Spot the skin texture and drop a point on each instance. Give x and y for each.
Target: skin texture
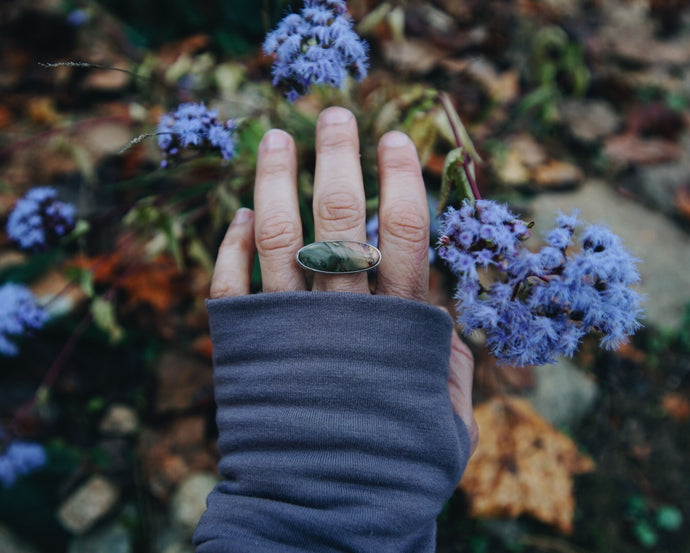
(274, 229)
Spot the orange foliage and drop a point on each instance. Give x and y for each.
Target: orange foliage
(522, 465)
(155, 282)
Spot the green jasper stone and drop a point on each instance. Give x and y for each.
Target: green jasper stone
(338, 256)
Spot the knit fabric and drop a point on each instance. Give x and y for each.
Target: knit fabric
(335, 425)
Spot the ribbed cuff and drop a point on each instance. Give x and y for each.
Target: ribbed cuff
(336, 428)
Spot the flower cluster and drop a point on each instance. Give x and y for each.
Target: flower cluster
(194, 126)
(18, 314)
(19, 459)
(534, 306)
(39, 219)
(317, 46)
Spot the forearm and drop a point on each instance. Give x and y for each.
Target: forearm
(336, 429)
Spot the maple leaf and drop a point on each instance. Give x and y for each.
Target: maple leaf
(522, 465)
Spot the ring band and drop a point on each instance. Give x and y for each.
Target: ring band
(338, 257)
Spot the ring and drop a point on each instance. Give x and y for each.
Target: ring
(338, 257)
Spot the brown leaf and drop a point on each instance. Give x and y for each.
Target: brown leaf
(183, 382)
(156, 282)
(677, 406)
(522, 465)
(416, 56)
(557, 175)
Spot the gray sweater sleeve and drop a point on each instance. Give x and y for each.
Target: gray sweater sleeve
(335, 426)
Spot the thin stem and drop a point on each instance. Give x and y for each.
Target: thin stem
(466, 159)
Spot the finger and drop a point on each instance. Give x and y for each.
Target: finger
(278, 226)
(232, 273)
(339, 210)
(403, 221)
(460, 385)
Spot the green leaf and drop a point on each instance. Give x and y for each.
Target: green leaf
(103, 312)
(645, 534)
(454, 176)
(81, 277)
(669, 518)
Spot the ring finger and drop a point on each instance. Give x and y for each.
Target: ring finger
(339, 208)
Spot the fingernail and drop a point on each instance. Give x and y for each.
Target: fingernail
(242, 215)
(335, 116)
(275, 139)
(395, 139)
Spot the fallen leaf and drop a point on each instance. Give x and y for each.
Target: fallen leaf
(416, 56)
(682, 198)
(156, 282)
(522, 465)
(557, 175)
(676, 405)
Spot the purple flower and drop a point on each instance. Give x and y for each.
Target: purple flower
(19, 314)
(39, 220)
(536, 306)
(317, 46)
(19, 459)
(193, 126)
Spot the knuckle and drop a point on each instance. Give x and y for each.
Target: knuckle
(277, 233)
(341, 207)
(337, 142)
(401, 167)
(277, 166)
(221, 290)
(407, 223)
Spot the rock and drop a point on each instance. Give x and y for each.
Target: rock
(661, 246)
(112, 538)
(169, 455)
(9, 543)
(563, 393)
(189, 500)
(625, 149)
(589, 121)
(119, 420)
(88, 504)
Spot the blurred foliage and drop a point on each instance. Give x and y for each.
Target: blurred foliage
(235, 25)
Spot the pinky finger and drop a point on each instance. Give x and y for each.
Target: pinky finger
(232, 273)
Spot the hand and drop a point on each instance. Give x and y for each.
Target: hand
(275, 229)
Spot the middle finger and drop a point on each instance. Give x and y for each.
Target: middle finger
(339, 208)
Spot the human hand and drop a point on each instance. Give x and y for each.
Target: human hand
(275, 229)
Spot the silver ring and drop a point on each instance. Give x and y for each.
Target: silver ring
(338, 257)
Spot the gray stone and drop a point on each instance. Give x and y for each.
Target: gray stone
(338, 256)
(88, 504)
(112, 538)
(563, 393)
(189, 500)
(589, 121)
(119, 420)
(662, 247)
(9, 543)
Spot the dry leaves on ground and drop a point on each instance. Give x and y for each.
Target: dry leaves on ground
(522, 465)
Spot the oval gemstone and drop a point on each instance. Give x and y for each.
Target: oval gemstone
(338, 256)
